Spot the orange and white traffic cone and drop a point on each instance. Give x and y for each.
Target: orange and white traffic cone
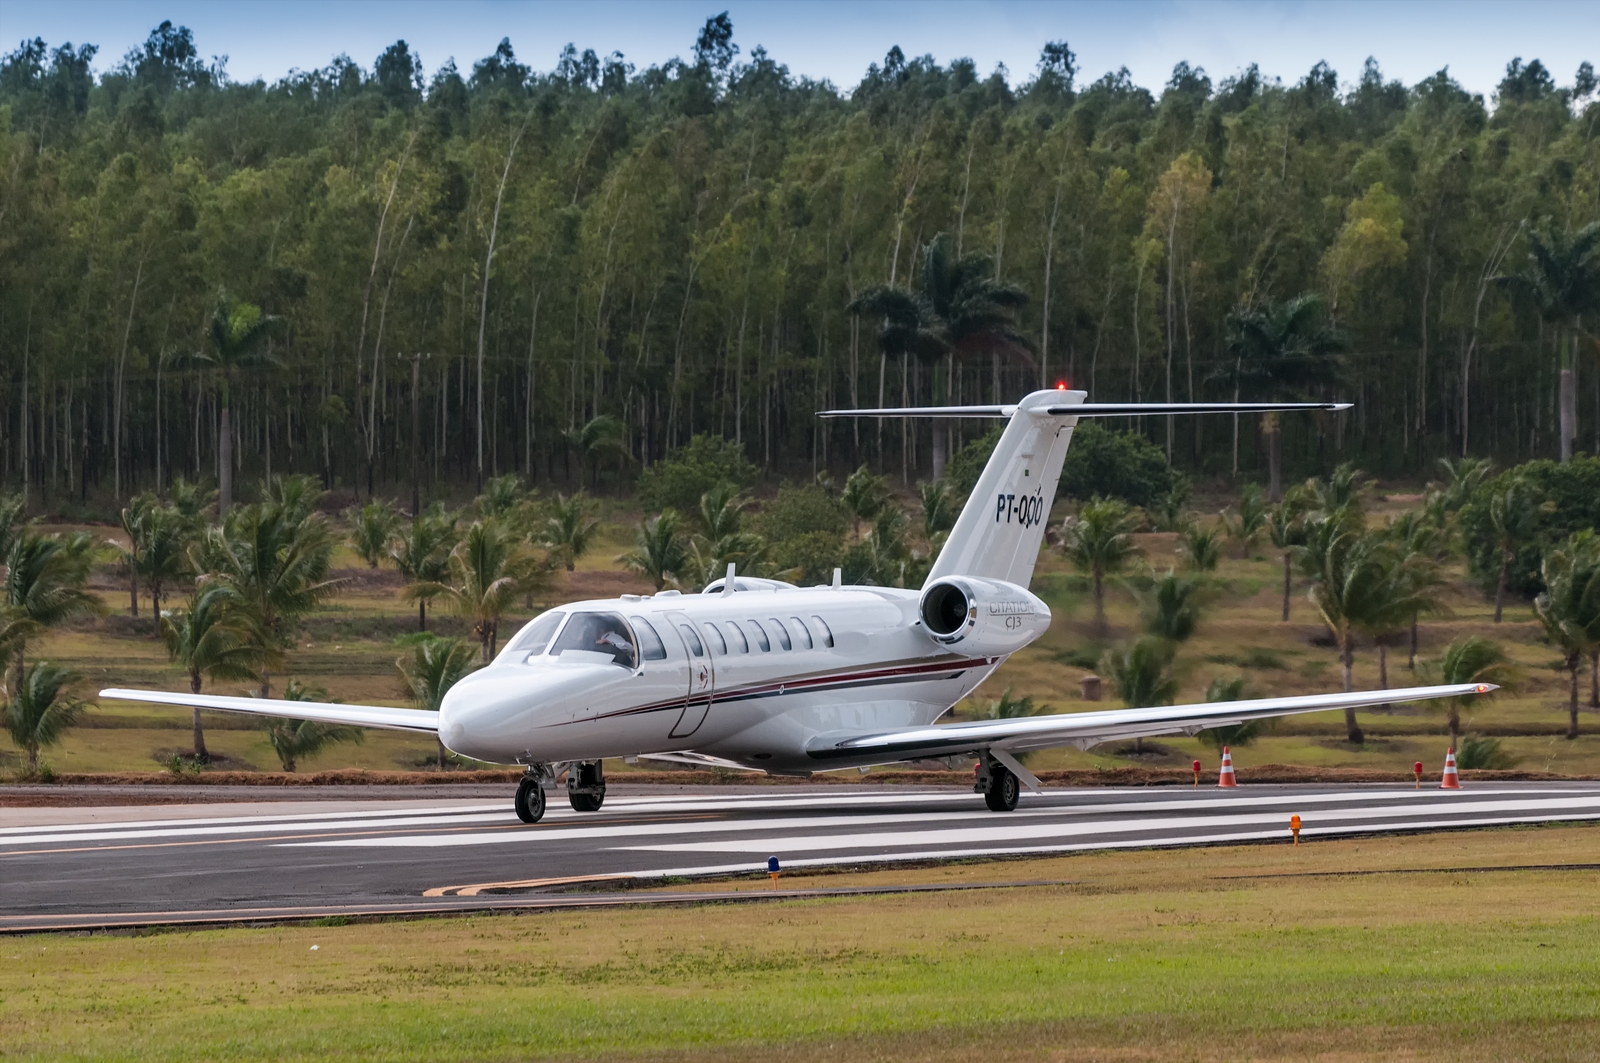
(1451, 780)
(1225, 776)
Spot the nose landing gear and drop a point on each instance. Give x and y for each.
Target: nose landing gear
(586, 786)
(998, 785)
(529, 802)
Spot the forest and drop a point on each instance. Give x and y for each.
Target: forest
(408, 283)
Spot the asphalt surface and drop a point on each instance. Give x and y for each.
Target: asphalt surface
(86, 867)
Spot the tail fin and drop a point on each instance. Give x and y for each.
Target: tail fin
(999, 531)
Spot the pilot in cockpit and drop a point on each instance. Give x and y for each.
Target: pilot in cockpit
(600, 633)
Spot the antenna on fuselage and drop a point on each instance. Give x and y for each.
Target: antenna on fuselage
(838, 578)
(727, 583)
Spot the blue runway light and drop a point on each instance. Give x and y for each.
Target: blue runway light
(772, 865)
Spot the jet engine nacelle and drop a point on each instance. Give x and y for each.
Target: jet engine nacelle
(982, 617)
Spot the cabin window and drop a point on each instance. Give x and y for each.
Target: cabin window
(649, 640)
(714, 639)
(599, 633)
(736, 640)
(782, 632)
(693, 640)
(760, 635)
(800, 630)
(827, 632)
(535, 636)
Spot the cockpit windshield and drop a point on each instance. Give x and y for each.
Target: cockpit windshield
(605, 633)
(534, 637)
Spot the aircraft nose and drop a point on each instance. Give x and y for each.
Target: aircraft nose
(495, 714)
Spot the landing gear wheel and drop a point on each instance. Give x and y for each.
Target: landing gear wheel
(586, 788)
(1003, 789)
(530, 800)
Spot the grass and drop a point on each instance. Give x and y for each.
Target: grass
(1144, 955)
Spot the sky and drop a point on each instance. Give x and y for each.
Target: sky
(837, 40)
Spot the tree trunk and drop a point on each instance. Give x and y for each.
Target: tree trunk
(1347, 661)
(1455, 725)
(1569, 397)
(1594, 680)
(1572, 696)
(442, 753)
(1500, 587)
(1286, 584)
(200, 754)
(133, 590)
(1412, 663)
(224, 459)
(1272, 428)
(1383, 673)
(422, 614)
(33, 758)
(1099, 600)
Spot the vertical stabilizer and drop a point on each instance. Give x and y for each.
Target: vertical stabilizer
(999, 531)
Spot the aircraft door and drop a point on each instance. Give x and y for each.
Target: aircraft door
(702, 676)
(664, 677)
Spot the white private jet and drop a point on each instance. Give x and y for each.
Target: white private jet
(763, 675)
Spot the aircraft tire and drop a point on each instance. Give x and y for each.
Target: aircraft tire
(530, 800)
(1003, 789)
(587, 802)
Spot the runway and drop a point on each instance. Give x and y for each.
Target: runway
(64, 868)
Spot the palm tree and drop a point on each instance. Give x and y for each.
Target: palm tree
(570, 528)
(295, 740)
(215, 637)
(37, 713)
(1008, 707)
(1416, 536)
(1141, 675)
(1172, 608)
(1569, 608)
(13, 517)
(1100, 540)
(1515, 510)
(489, 567)
(1281, 351)
(864, 495)
(1286, 528)
(1201, 546)
(1362, 586)
(431, 668)
(724, 540)
(1470, 659)
(422, 553)
(1562, 279)
(605, 436)
(1246, 525)
(277, 554)
(159, 538)
(46, 584)
(660, 553)
(238, 336)
(1239, 734)
(939, 512)
(501, 498)
(371, 526)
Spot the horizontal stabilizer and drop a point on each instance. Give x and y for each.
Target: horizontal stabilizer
(1095, 409)
(1084, 729)
(349, 715)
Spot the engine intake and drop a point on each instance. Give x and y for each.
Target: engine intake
(985, 617)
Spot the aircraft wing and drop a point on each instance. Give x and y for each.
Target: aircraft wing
(1085, 729)
(350, 715)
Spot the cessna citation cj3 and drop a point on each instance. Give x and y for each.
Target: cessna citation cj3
(763, 675)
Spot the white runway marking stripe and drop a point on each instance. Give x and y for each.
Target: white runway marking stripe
(986, 826)
(1028, 831)
(8, 832)
(185, 831)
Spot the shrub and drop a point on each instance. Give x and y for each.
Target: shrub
(1125, 465)
(965, 466)
(1477, 752)
(800, 511)
(690, 471)
(1575, 490)
(810, 557)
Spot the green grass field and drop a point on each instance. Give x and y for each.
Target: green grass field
(349, 649)
(1174, 955)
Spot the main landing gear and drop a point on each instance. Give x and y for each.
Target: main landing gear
(586, 786)
(586, 789)
(998, 785)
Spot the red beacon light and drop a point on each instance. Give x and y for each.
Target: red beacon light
(1061, 385)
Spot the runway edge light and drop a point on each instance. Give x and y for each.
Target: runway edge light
(772, 869)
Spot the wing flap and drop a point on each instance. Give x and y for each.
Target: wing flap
(1085, 729)
(392, 719)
